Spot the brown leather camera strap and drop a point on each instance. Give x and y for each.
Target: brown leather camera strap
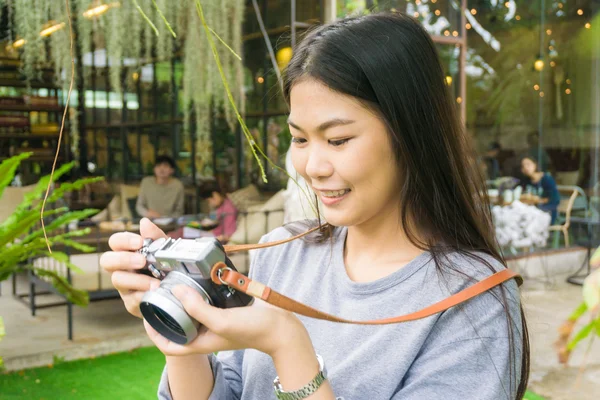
(234, 248)
(223, 275)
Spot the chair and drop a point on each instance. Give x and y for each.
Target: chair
(565, 206)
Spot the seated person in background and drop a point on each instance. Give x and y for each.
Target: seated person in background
(543, 185)
(491, 161)
(224, 212)
(161, 195)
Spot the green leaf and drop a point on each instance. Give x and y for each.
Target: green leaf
(598, 326)
(61, 221)
(75, 296)
(84, 248)
(14, 228)
(2, 330)
(8, 168)
(591, 290)
(579, 311)
(64, 258)
(582, 334)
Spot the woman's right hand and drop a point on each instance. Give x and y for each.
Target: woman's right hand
(123, 262)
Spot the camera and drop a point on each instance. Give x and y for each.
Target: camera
(188, 262)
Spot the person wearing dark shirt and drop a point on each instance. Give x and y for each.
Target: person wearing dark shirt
(543, 185)
(491, 161)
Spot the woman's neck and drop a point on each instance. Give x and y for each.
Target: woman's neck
(377, 248)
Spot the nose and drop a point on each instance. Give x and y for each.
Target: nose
(318, 166)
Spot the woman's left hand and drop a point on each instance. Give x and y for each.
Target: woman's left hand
(260, 326)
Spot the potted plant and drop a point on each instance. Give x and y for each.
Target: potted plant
(21, 239)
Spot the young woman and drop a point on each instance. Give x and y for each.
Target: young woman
(377, 136)
(543, 184)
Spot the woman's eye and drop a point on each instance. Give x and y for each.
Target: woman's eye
(298, 140)
(338, 142)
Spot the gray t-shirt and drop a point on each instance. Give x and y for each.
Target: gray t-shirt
(462, 353)
(167, 199)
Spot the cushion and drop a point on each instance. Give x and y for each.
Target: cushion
(127, 192)
(11, 198)
(251, 227)
(245, 197)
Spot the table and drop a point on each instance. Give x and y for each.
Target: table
(590, 222)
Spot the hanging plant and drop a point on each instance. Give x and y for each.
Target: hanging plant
(152, 24)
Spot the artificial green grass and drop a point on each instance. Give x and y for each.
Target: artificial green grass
(130, 376)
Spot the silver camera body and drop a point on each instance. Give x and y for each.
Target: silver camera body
(184, 262)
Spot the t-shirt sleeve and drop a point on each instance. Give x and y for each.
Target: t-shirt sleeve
(227, 374)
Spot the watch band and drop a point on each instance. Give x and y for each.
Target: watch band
(308, 389)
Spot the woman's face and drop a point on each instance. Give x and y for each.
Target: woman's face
(528, 167)
(344, 152)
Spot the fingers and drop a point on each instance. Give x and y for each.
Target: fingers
(149, 230)
(122, 260)
(127, 281)
(206, 342)
(125, 241)
(211, 317)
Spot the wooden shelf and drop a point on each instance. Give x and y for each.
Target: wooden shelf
(29, 136)
(35, 158)
(28, 107)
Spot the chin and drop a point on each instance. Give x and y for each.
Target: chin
(338, 218)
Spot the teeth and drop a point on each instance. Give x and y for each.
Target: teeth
(335, 193)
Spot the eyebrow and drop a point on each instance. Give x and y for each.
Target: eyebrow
(325, 125)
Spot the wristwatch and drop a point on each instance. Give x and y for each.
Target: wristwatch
(305, 391)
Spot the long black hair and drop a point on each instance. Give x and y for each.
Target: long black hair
(389, 62)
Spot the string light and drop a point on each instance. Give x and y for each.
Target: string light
(459, 100)
(434, 1)
(560, 5)
(536, 87)
(19, 43)
(455, 33)
(417, 2)
(260, 79)
(50, 27)
(550, 48)
(518, 17)
(588, 25)
(437, 12)
(568, 81)
(552, 63)
(473, 11)
(580, 12)
(568, 91)
(416, 14)
(541, 94)
(538, 65)
(468, 26)
(507, 4)
(446, 33)
(448, 80)
(548, 32)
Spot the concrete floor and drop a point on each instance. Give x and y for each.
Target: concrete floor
(105, 327)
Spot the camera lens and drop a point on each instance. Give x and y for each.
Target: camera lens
(165, 313)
